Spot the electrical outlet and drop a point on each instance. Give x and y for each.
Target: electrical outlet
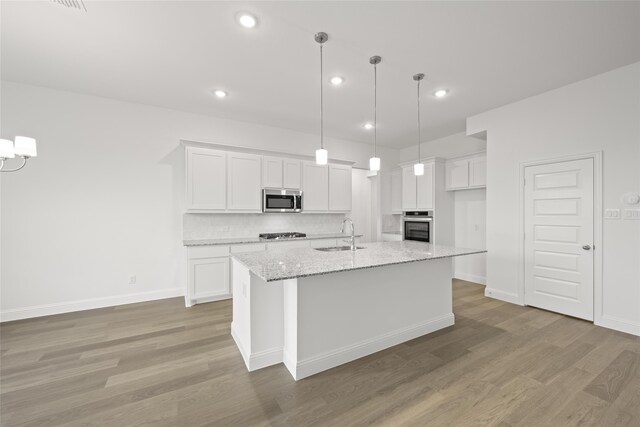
(612, 214)
(132, 279)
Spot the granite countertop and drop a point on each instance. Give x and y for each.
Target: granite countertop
(303, 262)
(256, 239)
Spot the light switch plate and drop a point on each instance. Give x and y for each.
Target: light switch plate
(632, 214)
(612, 214)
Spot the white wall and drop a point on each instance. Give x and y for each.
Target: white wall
(599, 113)
(454, 145)
(103, 199)
(470, 232)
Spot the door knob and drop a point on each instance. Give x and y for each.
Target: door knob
(586, 247)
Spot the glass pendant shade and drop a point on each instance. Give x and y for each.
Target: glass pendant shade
(25, 146)
(374, 164)
(418, 169)
(322, 156)
(6, 149)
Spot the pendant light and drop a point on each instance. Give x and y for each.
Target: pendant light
(321, 154)
(418, 168)
(374, 162)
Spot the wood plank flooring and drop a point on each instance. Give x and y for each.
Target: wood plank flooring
(159, 363)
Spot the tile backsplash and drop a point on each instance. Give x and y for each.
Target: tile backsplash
(215, 226)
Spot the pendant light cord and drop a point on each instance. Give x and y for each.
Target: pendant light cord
(321, 104)
(375, 110)
(419, 157)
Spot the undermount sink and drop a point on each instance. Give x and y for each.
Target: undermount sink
(337, 248)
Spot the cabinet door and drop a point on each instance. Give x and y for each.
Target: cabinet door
(396, 192)
(409, 201)
(271, 172)
(291, 174)
(425, 188)
(206, 179)
(339, 188)
(457, 174)
(315, 187)
(244, 182)
(478, 172)
(209, 278)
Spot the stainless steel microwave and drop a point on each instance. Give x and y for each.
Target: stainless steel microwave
(281, 200)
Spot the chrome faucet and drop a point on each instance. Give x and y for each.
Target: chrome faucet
(353, 233)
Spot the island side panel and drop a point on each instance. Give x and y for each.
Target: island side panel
(344, 316)
(257, 325)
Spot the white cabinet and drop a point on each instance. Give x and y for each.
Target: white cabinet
(466, 172)
(291, 171)
(457, 174)
(278, 172)
(272, 172)
(478, 172)
(208, 274)
(396, 192)
(244, 179)
(417, 191)
(424, 190)
(206, 179)
(409, 184)
(315, 187)
(340, 188)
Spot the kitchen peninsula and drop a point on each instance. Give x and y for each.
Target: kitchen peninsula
(314, 310)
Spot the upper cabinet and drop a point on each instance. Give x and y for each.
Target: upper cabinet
(315, 187)
(206, 179)
(417, 191)
(396, 192)
(231, 181)
(339, 188)
(466, 172)
(292, 174)
(278, 172)
(244, 182)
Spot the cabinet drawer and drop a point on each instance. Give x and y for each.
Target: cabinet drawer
(250, 247)
(195, 252)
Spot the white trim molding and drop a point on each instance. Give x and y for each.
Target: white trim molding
(87, 304)
(474, 278)
(622, 325)
(503, 296)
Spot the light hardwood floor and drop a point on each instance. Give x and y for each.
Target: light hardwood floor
(159, 363)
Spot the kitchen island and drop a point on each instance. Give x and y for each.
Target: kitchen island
(314, 310)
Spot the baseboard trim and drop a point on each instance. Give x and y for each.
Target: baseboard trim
(257, 360)
(471, 278)
(313, 365)
(503, 296)
(618, 324)
(87, 304)
(242, 350)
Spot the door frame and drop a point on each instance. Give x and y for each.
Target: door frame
(597, 225)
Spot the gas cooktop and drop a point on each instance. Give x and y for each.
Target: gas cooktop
(281, 236)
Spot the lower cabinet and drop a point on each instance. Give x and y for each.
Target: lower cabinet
(208, 274)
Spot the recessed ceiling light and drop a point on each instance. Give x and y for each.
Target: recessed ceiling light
(220, 93)
(247, 20)
(441, 93)
(368, 126)
(336, 80)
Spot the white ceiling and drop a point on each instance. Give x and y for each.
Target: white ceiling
(171, 54)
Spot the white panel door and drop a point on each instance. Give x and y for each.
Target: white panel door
(315, 187)
(478, 172)
(244, 182)
(340, 188)
(206, 179)
(457, 174)
(292, 172)
(271, 172)
(425, 188)
(558, 219)
(409, 197)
